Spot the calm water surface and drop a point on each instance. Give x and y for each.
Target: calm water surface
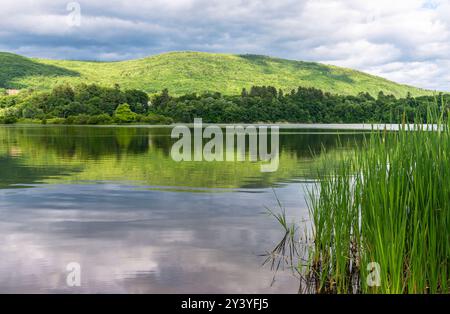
(113, 200)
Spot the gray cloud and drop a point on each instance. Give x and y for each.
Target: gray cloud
(404, 40)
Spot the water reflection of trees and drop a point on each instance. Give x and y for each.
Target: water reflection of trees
(98, 142)
(81, 142)
(306, 145)
(36, 153)
(14, 174)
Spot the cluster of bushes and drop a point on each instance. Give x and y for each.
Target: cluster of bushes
(105, 119)
(123, 116)
(8, 115)
(92, 104)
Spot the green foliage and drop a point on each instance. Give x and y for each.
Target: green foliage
(77, 120)
(8, 119)
(55, 121)
(66, 101)
(302, 105)
(188, 72)
(260, 104)
(138, 101)
(32, 112)
(100, 119)
(123, 114)
(155, 119)
(8, 115)
(82, 119)
(161, 101)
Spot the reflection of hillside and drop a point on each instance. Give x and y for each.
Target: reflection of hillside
(14, 174)
(67, 154)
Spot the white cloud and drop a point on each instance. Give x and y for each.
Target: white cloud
(368, 35)
(358, 53)
(416, 73)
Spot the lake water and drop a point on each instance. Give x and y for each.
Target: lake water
(112, 200)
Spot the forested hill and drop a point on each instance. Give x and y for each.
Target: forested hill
(188, 72)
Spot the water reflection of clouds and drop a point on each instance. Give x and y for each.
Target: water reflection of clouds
(138, 241)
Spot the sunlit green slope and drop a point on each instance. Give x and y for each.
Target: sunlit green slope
(187, 72)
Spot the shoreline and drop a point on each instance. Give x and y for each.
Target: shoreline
(317, 126)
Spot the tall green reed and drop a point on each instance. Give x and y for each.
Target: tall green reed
(387, 203)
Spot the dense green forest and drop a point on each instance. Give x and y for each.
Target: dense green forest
(93, 104)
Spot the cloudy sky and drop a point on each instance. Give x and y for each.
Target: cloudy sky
(403, 40)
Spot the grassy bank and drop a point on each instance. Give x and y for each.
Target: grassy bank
(102, 119)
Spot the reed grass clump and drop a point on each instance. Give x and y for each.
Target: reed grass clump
(388, 203)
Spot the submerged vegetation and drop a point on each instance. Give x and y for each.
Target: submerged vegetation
(380, 217)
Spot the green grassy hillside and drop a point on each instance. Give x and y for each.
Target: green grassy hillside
(187, 72)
